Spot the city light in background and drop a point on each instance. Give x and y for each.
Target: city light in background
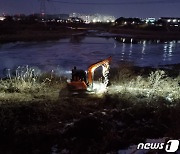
(94, 18)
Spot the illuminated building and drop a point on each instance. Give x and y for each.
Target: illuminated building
(171, 21)
(150, 20)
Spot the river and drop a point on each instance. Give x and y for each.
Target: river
(81, 51)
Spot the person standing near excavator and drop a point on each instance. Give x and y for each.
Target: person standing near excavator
(74, 73)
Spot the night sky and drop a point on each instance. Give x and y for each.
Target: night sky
(126, 8)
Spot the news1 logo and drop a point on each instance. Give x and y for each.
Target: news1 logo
(170, 146)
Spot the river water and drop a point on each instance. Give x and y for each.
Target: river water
(63, 54)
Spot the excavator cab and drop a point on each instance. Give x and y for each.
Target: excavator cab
(78, 80)
(78, 75)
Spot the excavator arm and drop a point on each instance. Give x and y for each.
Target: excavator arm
(105, 70)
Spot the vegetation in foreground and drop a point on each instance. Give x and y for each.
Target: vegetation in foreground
(141, 103)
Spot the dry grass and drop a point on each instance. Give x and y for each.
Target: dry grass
(145, 87)
(27, 84)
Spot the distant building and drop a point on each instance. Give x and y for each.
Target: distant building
(57, 16)
(75, 20)
(150, 20)
(51, 17)
(171, 21)
(18, 17)
(128, 21)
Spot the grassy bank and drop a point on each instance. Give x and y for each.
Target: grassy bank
(37, 36)
(14, 32)
(35, 119)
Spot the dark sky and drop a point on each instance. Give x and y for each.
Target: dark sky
(126, 8)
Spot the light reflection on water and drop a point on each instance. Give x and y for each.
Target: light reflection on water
(84, 51)
(143, 49)
(123, 51)
(130, 50)
(168, 51)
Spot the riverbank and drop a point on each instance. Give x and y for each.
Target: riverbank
(39, 120)
(38, 36)
(50, 36)
(14, 32)
(24, 32)
(146, 34)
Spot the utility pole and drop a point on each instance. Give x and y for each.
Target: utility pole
(42, 8)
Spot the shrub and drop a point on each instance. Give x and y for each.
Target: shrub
(157, 84)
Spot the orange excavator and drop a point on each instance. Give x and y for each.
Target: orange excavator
(82, 81)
